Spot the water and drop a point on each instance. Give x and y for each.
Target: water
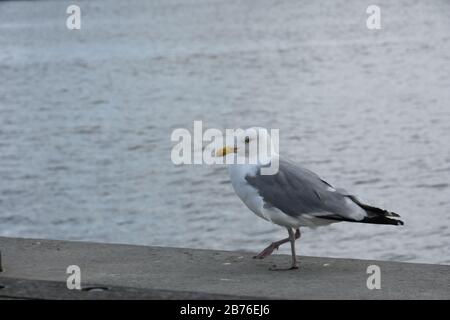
(86, 118)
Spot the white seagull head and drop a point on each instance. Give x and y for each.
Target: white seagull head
(253, 145)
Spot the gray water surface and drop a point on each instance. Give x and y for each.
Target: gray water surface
(86, 118)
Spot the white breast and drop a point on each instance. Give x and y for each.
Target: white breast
(244, 190)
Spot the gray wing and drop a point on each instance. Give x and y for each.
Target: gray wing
(296, 191)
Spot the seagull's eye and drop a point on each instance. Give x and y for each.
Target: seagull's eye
(247, 139)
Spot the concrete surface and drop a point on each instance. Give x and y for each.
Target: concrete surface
(37, 268)
(13, 288)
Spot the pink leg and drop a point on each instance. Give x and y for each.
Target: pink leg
(274, 245)
(294, 264)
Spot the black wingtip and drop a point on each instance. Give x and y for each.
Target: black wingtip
(377, 215)
(382, 220)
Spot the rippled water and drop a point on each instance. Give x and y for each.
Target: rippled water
(86, 118)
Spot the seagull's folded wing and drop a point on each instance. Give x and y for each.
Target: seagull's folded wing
(297, 191)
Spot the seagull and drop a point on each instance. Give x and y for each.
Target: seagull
(294, 196)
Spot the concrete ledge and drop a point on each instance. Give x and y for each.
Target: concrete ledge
(37, 269)
(11, 288)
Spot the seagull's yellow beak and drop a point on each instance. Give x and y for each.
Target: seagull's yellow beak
(222, 152)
